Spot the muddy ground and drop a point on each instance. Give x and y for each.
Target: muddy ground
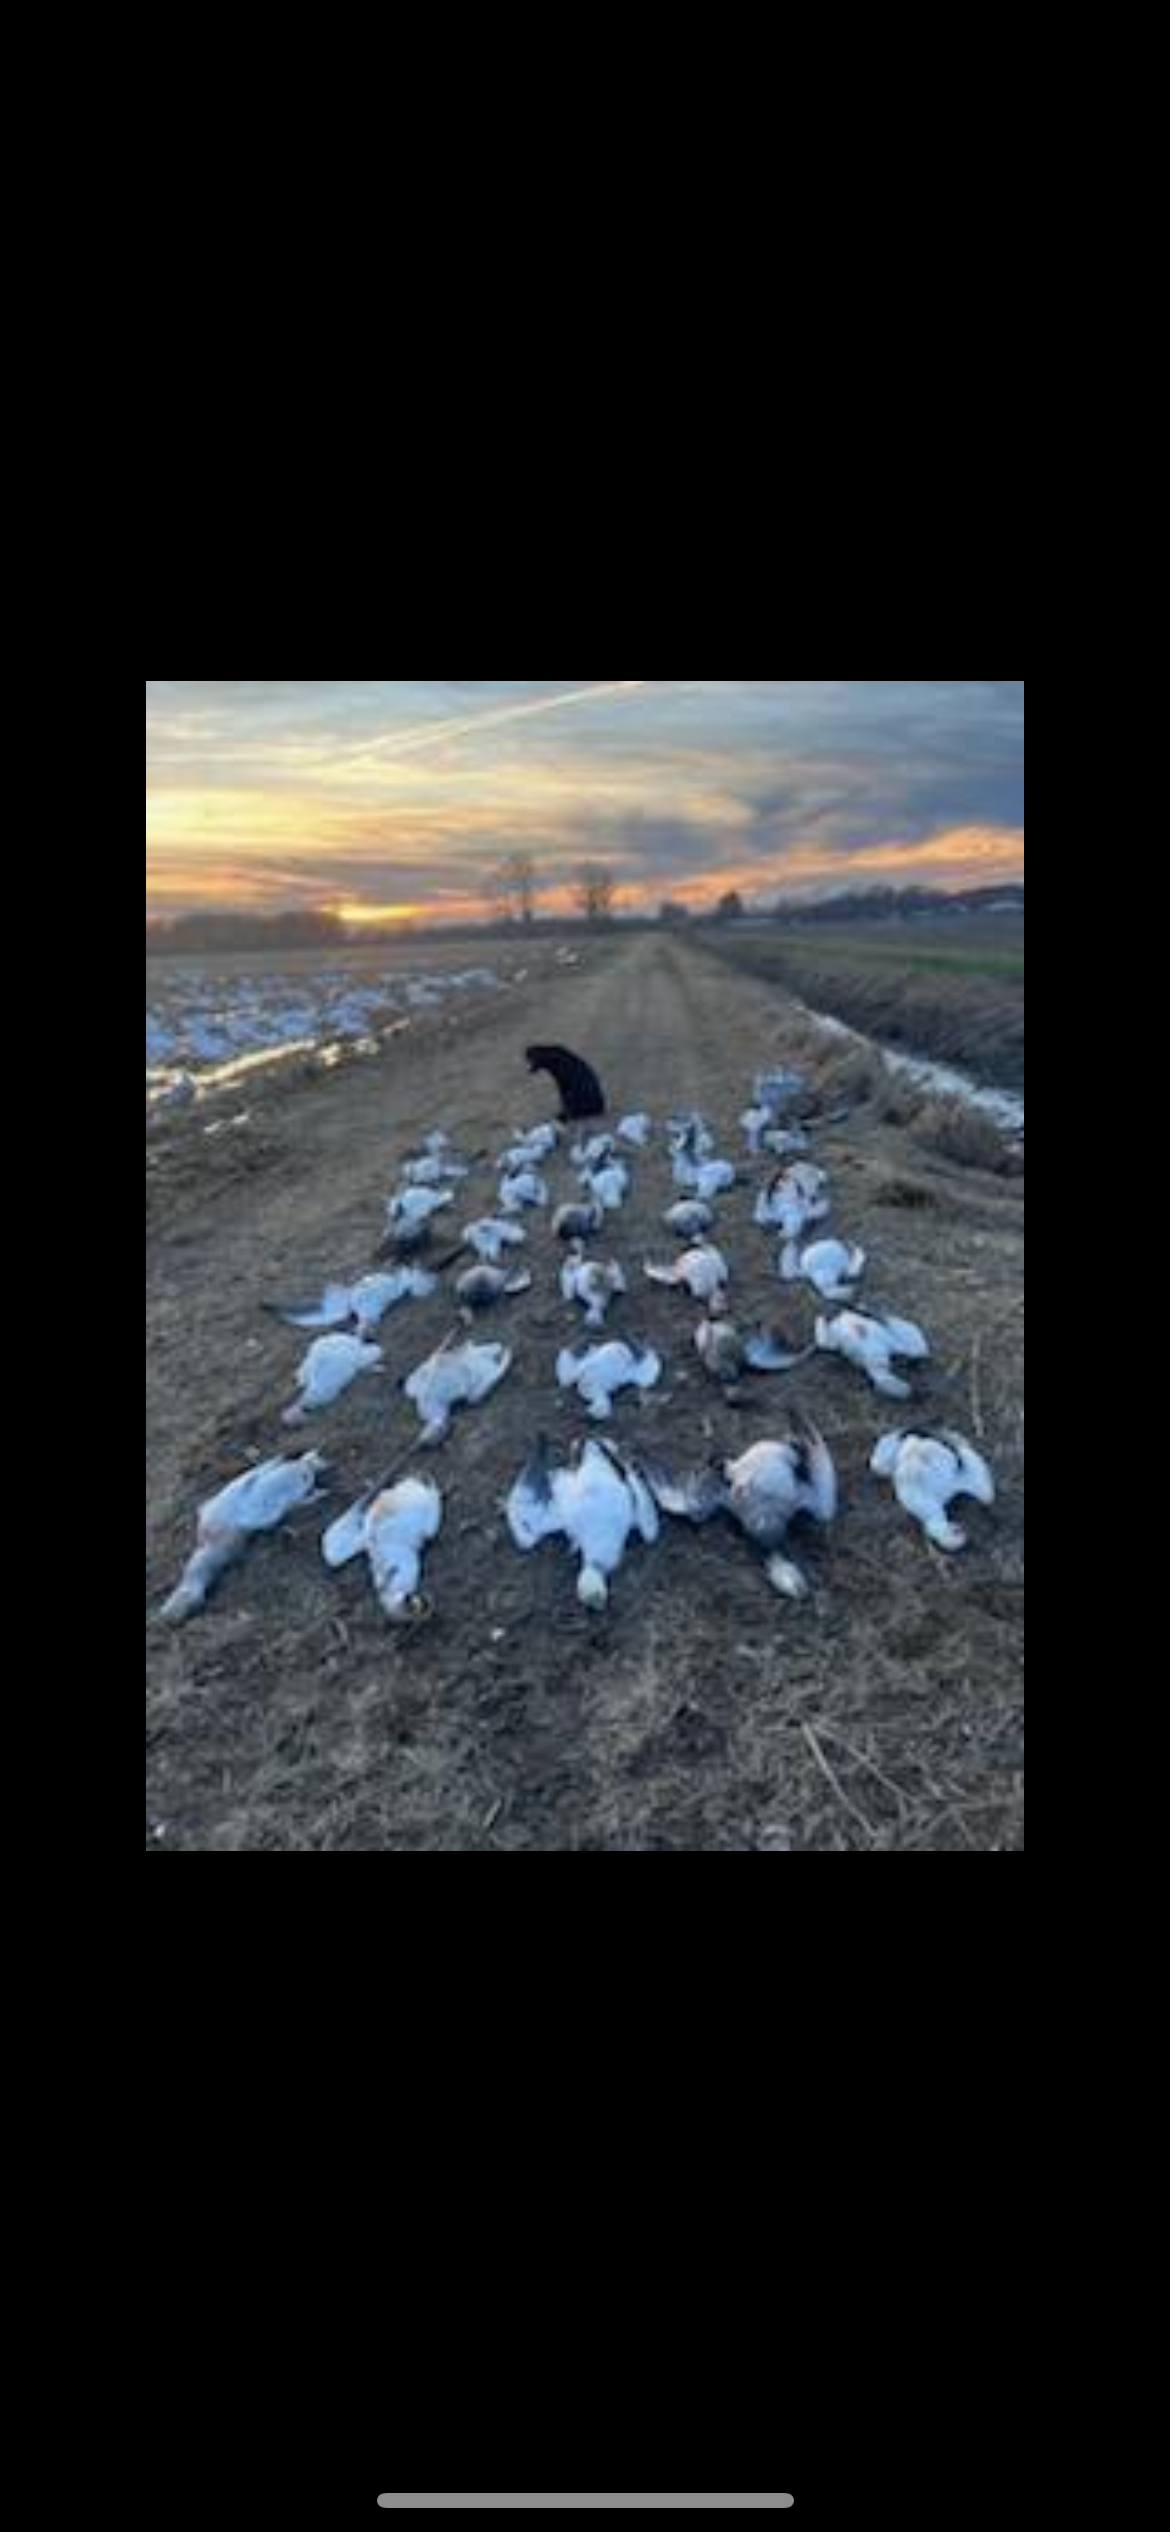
(700, 1713)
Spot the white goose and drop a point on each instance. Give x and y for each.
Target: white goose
(259, 1500)
(873, 1345)
(392, 1527)
(763, 1493)
(490, 1238)
(703, 1178)
(592, 1152)
(703, 1272)
(727, 1354)
(328, 1368)
(636, 1131)
(608, 1184)
(598, 1372)
(691, 1135)
(593, 1282)
(833, 1269)
(482, 1286)
(690, 1218)
(429, 1169)
(365, 1302)
(927, 1471)
(793, 1200)
(455, 1376)
(411, 1207)
(523, 1188)
(597, 1503)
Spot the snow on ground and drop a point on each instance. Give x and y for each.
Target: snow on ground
(210, 1030)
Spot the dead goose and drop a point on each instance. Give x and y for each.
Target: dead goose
(328, 1368)
(927, 1471)
(593, 1152)
(833, 1269)
(259, 1500)
(489, 1238)
(703, 1272)
(596, 1503)
(522, 1189)
(365, 1302)
(429, 1169)
(873, 1344)
(607, 1184)
(690, 1219)
(727, 1354)
(793, 1200)
(598, 1372)
(391, 1526)
(763, 1493)
(703, 1178)
(455, 1376)
(577, 1221)
(409, 1214)
(482, 1286)
(593, 1282)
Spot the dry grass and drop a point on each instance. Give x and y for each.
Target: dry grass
(955, 1013)
(962, 1134)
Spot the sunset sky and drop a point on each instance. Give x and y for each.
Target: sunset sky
(396, 798)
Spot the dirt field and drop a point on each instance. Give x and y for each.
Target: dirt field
(701, 1712)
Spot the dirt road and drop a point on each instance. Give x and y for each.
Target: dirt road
(701, 1712)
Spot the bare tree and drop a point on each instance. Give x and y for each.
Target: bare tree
(596, 893)
(513, 888)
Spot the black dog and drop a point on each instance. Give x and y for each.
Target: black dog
(580, 1089)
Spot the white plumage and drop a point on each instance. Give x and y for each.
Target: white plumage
(927, 1471)
(833, 1269)
(597, 1502)
(522, 1188)
(793, 1200)
(703, 1178)
(328, 1368)
(703, 1272)
(763, 1492)
(429, 1169)
(636, 1131)
(391, 1527)
(259, 1500)
(690, 1135)
(530, 1150)
(593, 1282)
(489, 1238)
(598, 1372)
(411, 1207)
(607, 1184)
(873, 1345)
(592, 1151)
(365, 1302)
(456, 1376)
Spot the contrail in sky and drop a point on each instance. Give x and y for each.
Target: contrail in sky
(497, 716)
